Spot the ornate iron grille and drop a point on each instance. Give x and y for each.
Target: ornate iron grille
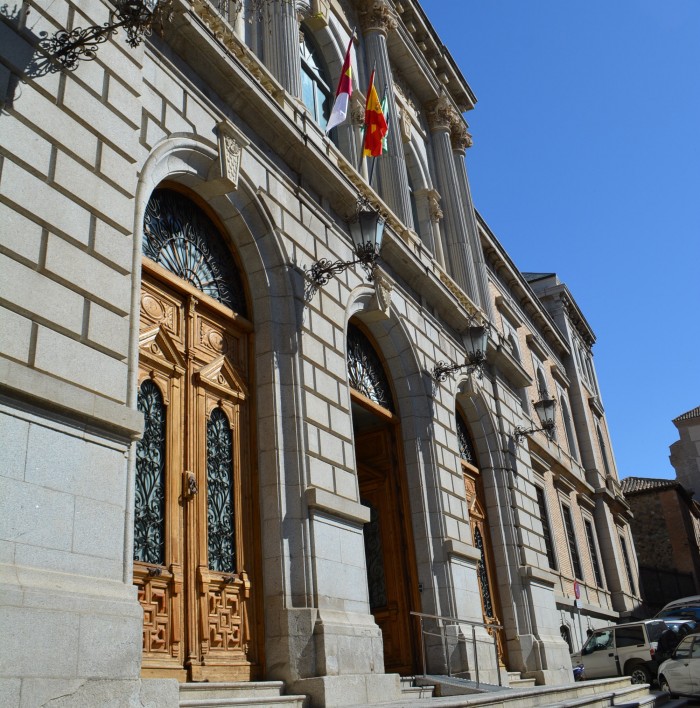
(365, 370)
(222, 540)
(178, 235)
(149, 514)
(466, 446)
(376, 580)
(483, 575)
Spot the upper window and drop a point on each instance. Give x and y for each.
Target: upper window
(315, 86)
(571, 538)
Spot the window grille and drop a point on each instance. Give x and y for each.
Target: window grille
(149, 512)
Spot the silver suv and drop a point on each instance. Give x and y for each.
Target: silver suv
(622, 650)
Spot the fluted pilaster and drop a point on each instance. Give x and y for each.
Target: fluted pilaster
(461, 140)
(377, 20)
(441, 115)
(281, 45)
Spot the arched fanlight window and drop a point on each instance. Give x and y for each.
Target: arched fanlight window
(365, 371)
(315, 86)
(149, 518)
(466, 446)
(179, 236)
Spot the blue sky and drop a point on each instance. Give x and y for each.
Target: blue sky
(586, 162)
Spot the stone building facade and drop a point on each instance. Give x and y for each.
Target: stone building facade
(214, 471)
(666, 530)
(685, 452)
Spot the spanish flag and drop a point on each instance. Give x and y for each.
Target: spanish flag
(375, 123)
(342, 95)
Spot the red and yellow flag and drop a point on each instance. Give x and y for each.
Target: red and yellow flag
(375, 122)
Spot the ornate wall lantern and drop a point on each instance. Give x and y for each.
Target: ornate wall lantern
(367, 231)
(137, 17)
(476, 340)
(544, 408)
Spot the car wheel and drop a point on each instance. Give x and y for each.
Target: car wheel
(640, 674)
(663, 685)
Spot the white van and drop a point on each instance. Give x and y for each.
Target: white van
(622, 650)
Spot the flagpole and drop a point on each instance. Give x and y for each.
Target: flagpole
(364, 130)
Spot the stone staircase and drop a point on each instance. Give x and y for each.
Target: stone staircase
(600, 693)
(261, 694)
(443, 691)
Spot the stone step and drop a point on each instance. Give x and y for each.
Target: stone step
(597, 693)
(262, 694)
(522, 682)
(410, 689)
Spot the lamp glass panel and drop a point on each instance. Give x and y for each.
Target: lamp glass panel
(545, 410)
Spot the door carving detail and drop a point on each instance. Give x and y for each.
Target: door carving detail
(473, 487)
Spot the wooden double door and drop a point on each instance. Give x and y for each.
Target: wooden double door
(195, 561)
(390, 558)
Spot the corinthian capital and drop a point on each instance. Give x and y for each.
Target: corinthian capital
(440, 114)
(377, 16)
(460, 137)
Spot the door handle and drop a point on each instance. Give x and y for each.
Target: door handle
(613, 654)
(190, 484)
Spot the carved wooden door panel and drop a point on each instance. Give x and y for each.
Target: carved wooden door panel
(390, 569)
(473, 485)
(193, 519)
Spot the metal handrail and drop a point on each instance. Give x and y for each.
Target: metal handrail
(456, 620)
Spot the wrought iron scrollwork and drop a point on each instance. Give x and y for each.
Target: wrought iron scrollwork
(178, 235)
(482, 574)
(466, 446)
(220, 517)
(66, 48)
(365, 370)
(149, 517)
(376, 579)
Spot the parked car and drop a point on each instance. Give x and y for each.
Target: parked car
(623, 650)
(680, 675)
(691, 612)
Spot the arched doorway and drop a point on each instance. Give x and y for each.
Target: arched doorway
(476, 503)
(390, 557)
(195, 561)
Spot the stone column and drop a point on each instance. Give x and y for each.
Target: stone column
(281, 45)
(377, 20)
(458, 253)
(461, 140)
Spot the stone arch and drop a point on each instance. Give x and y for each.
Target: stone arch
(412, 388)
(251, 230)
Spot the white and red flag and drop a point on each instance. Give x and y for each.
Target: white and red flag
(342, 96)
